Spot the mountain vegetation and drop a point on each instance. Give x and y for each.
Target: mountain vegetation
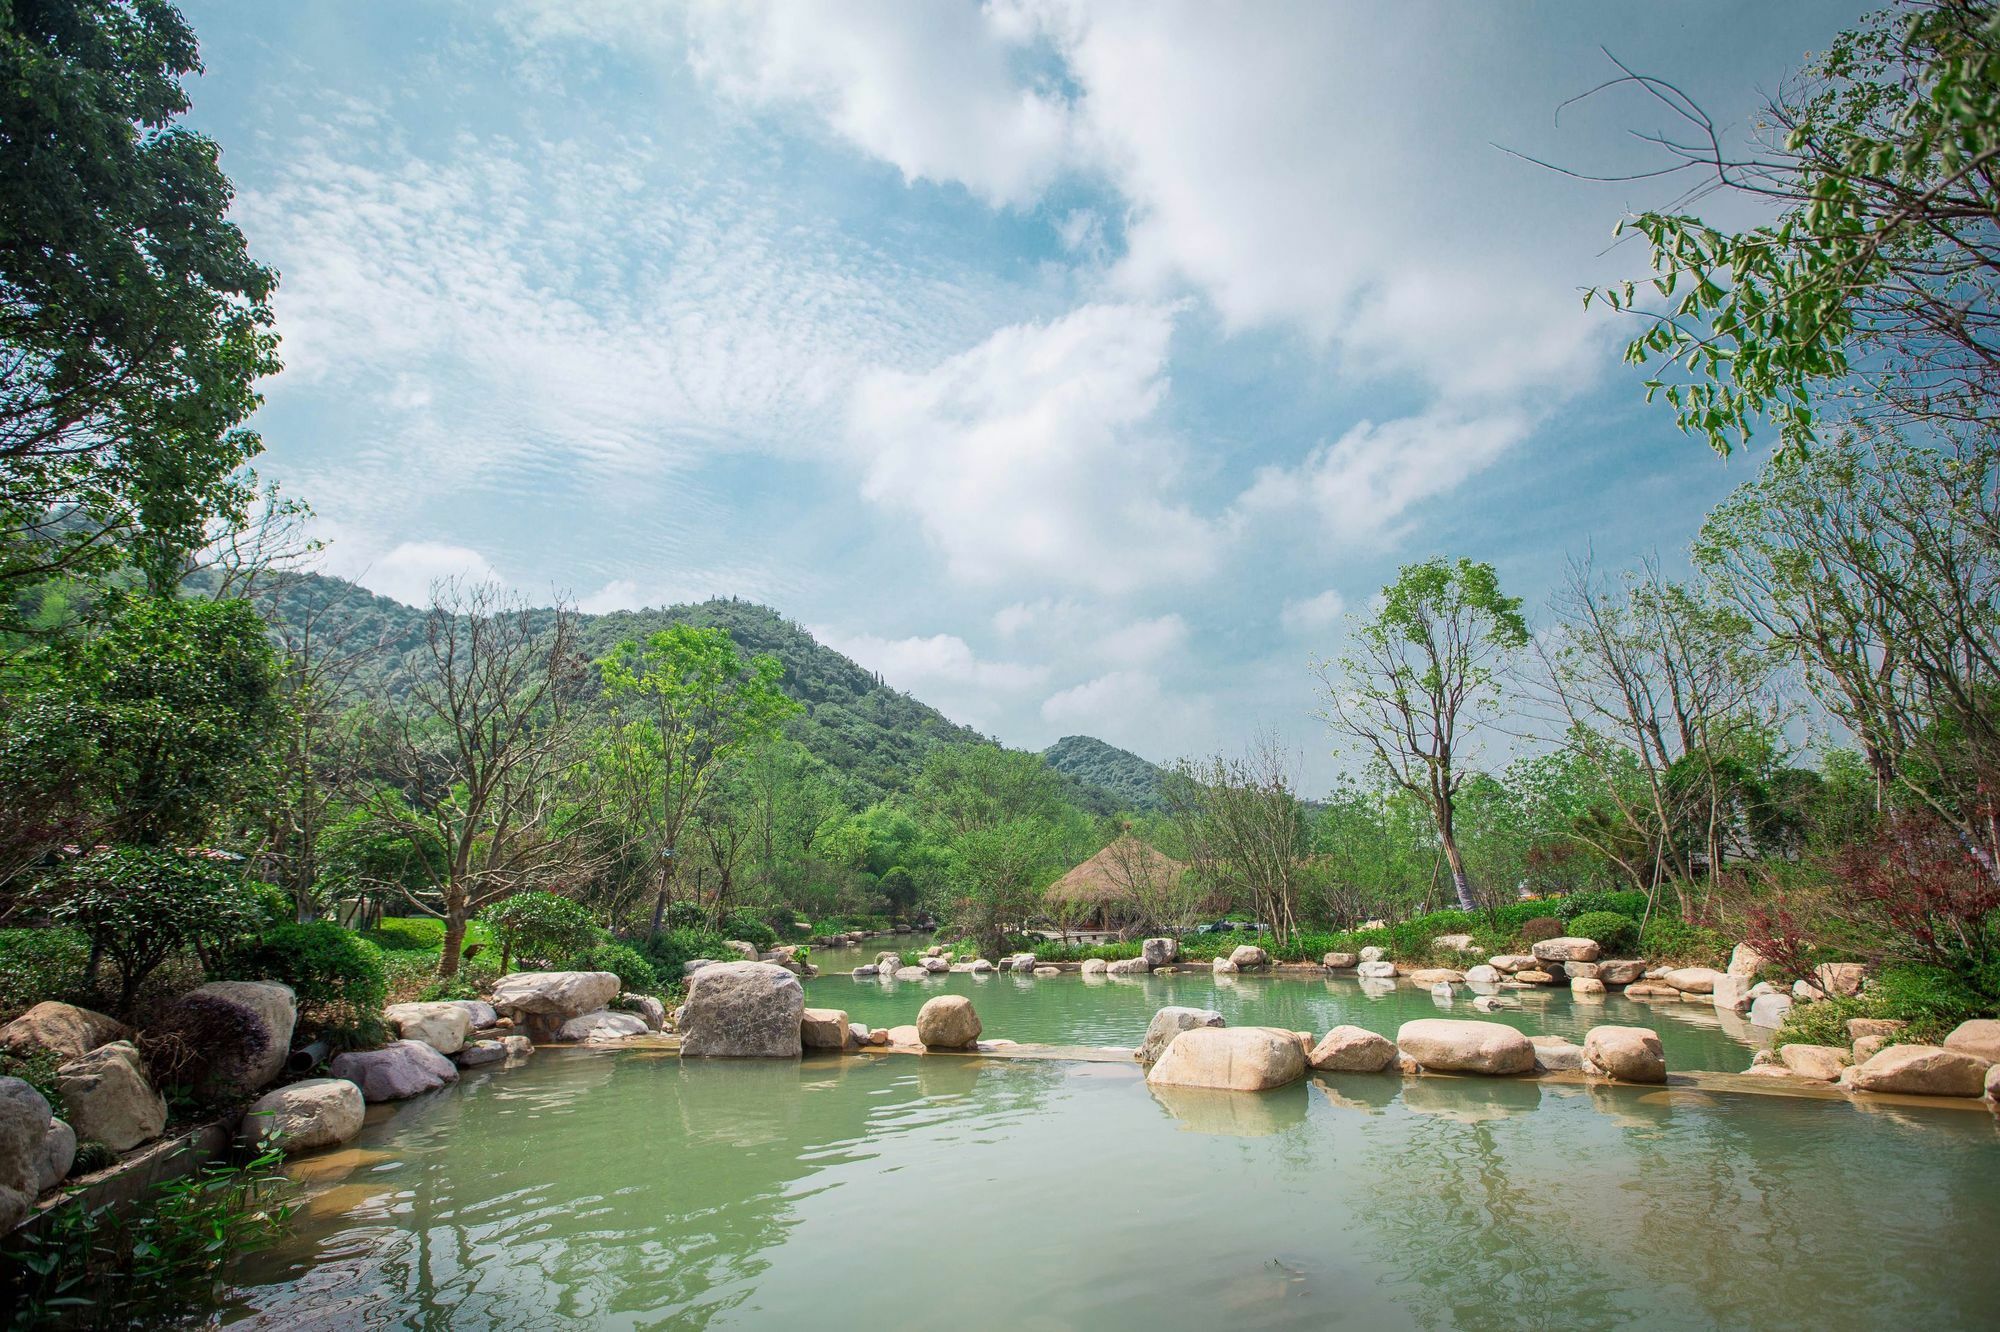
(1131, 782)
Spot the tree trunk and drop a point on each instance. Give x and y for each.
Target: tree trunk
(454, 942)
(1459, 882)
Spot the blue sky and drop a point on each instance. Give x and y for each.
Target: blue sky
(1076, 366)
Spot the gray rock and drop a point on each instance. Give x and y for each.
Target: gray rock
(1769, 1010)
(555, 995)
(482, 1052)
(935, 965)
(1376, 970)
(744, 1010)
(108, 1098)
(319, 1112)
(36, 1148)
(517, 1047)
(275, 1011)
(867, 971)
(1128, 966)
(1622, 971)
(477, 1011)
(396, 1072)
(646, 1008)
(947, 1022)
(1340, 961)
(1249, 957)
(443, 1026)
(913, 974)
(1170, 1022)
(602, 1027)
(1556, 1054)
(1373, 953)
(1160, 951)
(694, 964)
(825, 1029)
(745, 951)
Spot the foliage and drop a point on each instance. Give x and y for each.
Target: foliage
(750, 930)
(1132, 783)
(1614, 932)
(1625, 903)
(422, 934)
(40, 964)
(1537, 928)
(132, 319)
(149, 1266)
(1884, 254)
(338, 976)
(538, 929)
(671, 950)
(36, 1067)
(139, 905)
(635, 971)
(1245, 831)
(1668, 939)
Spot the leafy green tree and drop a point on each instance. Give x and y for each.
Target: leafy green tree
(133, 322)
(1005, 833)
(682, 704)
(540, 928)
(1876, 282)
(1422, 681)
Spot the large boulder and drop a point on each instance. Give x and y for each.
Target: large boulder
(1222, 966)
(478, 1054)
(742, 948)
(1483, 974)
(947, 1022)
(1352, 1050)
(48, 1157)
(1630, 1054)
(319, 1112)
(1452, 1045)
(1124, 966)
(934, 965)
(22, 1128)
(743, 1010)
(1339, 961)
(602, 1027)
(1230, 1059)
(1979, 1038)
(1429, 976)
(1373, 953)
(396, 1072)
(1556, 1054)
(108, 1098)
(1160, 951)
(1566, 949)
(825, 1029)
(1620, 971)
(1170, 1022)
(1581, 971)
(1586, 986)
(558, 996)
(1839, 979)
(442, 1026)
(1770, 1009)
(1731, 993)
(646, 1008)
(1821, 1063)
(1248, 957)
(62, 1029)
(1745, 961)
(1092, 966)
(1923, 1070)
(254, 1020)
(1693, 980)
(910, 974)
(1376, 970)
(1511, 962)
(478, 1012)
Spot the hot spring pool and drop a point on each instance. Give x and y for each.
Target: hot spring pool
(632, 1190)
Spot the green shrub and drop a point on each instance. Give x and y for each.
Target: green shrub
(749, 929)
(1538, 928)
(416, 934)
(460, 986)
(1671, 939)
(1616, 934)
(407, 973)
(1823, 1023)
(1931, 999)
(40, 964)
(37, 1068)
(538, 930)
(1630, 902)
(635, 973)
(684, 916)
(339, 977)
(92, 1157)
(670, 951)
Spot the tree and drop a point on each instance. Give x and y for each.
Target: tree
(133, 322)
(540, 928)
(682, 704)
(1004, 830)
(1660, 680)
(1245, 830)
(1876, 283)
(1875, 564)
(479, 754)
(1422, 681)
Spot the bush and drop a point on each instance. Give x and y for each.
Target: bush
(339, 977)
(684, 916)
(749, 929)
(1614, 932)
(1538, 928)
(538, 929)
(141, 905)
(1671, 939)
(1630, 903)
(40, 964)
(37, 1068)
(1931, 999)
(417, 934)
(1823, 1023)
(408, 973)
(635, 973)
(672, 950)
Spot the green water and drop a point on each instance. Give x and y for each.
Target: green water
(628, 1190)
(1114, 1010)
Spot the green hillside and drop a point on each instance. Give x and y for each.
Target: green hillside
(1132, 782)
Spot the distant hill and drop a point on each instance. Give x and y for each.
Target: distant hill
(1132, 782)
(878, 737)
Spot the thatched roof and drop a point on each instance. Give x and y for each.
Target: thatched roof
(1107, 878)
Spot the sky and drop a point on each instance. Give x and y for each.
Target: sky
(1078, 367)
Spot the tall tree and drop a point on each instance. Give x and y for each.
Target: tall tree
(1421, 682)
(1245, 830)
(683, 703)
(133, 322)
(480, 753)
(1005, 831)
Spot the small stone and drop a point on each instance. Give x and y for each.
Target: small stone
(1566, 949)
(1352, 1050)
(1095, 966)
(905, 1036)
(1372, 953)
(823, 1029)
(1222, 966)
(867, 971)
(1744, 961)
(479, 1053)
(1249, 957)
(1157, 952)
(1128, 966)
(1511, 962)
(1483, 974)
(1586, 986)
(1437, 976)
(1534, 978)
(1580, 970)
(1340, 961)
(1694, 980)
(1557, 1055)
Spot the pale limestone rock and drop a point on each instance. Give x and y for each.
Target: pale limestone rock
(319, 1112)
(1170, 1022)
(442, 1026)
(1128, 966)
(1586, 986)
(1512, 962)
(947, 1022)
(1769, 1010)
(1556, 1054)
(1483, 974)
(1466, 1046)
(743, 1010)
(479, 1053)
(1372, 953)
(1630, 1054)
(1581, 971)
(1979, 1037)
(1821, 1063)
(1340, 961)
(1923, 1070)
(1694, 980)
(1158, 952)
(273, 1011)
(1249, 957)
(1744, 962)
(63, 1029)
(1621, 971)
(1566, 949)
(824, 1029)
(1352, 1050)
(604, 1027)
(1377, 970)
(561, 995)
(1230, 1059)
(1430, 976)
(1095, 966)
(108, 1098)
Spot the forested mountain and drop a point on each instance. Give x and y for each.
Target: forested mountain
(875, 735)
(1132, 782)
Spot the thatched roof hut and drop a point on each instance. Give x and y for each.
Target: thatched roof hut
(1116, 881)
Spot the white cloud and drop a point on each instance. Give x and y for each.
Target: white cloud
(1104, 703)
(1142, 641)
(942, 670)
(1037, 455)
(1360, 487)
(1313, 614)
(408, 571)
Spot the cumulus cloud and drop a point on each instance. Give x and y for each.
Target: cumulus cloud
(1363, 485)
(1038, 455)
(1313, 614)
(1142, 641)
(1112, 702)
(408, 571)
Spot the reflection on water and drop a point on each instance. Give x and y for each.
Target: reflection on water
(612, 1191)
